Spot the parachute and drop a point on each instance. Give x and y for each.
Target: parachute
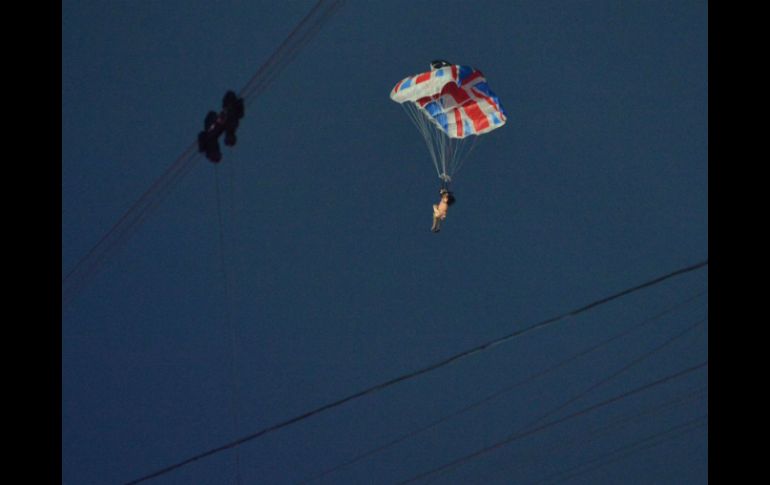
(449, 105)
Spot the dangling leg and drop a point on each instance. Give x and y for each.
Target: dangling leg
(436, 225)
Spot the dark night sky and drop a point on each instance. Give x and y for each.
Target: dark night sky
(597, 183)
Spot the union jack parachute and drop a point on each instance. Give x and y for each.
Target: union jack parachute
(449, 105)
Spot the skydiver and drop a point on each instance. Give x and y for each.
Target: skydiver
(440, 209)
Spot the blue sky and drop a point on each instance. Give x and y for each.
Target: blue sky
(320, 219)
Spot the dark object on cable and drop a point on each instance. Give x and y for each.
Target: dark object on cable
(215, 124)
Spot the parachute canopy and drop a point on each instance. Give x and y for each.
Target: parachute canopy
(448, 104)
(456, 98)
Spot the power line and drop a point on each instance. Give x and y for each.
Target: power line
(529, 432)
(605, 380)
(424, 370)
(623, 452)
(133, 218)
(606, 429)
(623, 369)
(502, 391)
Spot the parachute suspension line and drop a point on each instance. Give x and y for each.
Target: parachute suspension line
(445, 153)
(231, 330)
(423, 126)
(419, 123)
(448, 154)
(440, 148)
(463, 157)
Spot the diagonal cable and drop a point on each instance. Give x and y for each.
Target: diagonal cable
(502, 391)
(576, 414)
(424, 370)
(84, 270)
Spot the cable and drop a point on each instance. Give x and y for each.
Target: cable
(607, 379)
(294, 42)
(639, 445)
(623, 369)
(231, 328)
(88, 265)
(419, 372)
(517, 436)
(502, 391)
(681, 399)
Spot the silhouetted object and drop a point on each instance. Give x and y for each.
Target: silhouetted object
(232, 107)
(215, 124)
